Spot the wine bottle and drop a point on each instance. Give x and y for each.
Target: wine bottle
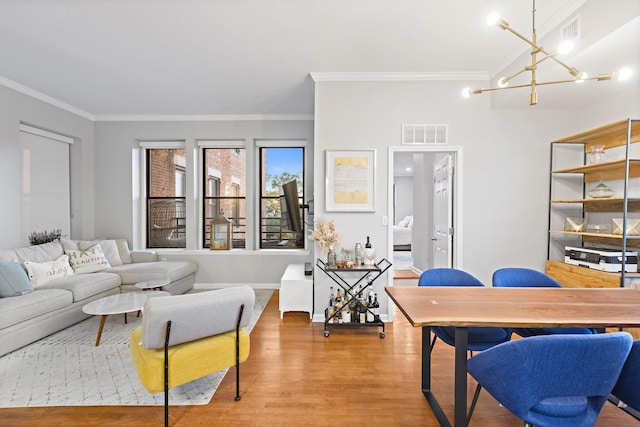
(369, 253)
(370, 316)
(362, 312)
(376, 308)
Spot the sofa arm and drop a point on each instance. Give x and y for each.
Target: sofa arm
(195, 316)
(144, 256)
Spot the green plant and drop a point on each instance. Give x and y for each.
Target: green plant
(39, 237)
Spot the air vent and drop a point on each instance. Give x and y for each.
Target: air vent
(424, 134)
(571, 30)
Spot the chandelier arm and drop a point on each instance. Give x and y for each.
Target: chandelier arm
(538, 48)
(492, 89)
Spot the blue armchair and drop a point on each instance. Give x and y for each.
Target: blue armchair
(553, 380)
(527, 278)
(627, 389)
(480, 338)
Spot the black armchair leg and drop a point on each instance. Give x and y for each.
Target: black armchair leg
(238, 352)
(166, 375)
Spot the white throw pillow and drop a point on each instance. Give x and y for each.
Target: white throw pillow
(41, 273)
(88, 261)
(109, 248)
(405, 221)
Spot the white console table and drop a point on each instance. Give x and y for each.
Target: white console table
(296, 290)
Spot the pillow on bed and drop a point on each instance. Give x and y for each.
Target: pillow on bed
(406, 221)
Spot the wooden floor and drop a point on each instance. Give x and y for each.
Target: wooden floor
(295, 376)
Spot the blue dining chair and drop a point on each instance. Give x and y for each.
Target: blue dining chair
(627, 389)
(480, 338)
(528, 278)
(553, 380)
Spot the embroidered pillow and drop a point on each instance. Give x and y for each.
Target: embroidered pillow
(89, 260)
(41, 273)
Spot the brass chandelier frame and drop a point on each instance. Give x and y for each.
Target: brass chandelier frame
(536, 50)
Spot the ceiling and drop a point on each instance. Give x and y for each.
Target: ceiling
(254, 57)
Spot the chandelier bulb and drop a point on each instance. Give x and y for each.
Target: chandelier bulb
(493, 18)
(565, 47)
(466, 92)
(503, 82)
(581, 77)
(624, 73)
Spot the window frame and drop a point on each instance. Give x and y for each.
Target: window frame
(261, 175)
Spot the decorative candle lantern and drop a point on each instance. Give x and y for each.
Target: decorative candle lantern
(220, 239)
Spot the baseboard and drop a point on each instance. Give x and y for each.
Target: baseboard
(234, 285)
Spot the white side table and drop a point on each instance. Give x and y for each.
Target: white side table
(296, 290)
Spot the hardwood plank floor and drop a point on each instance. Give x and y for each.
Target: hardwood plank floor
(295, 376)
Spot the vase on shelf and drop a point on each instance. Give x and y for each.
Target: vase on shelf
(332, 258)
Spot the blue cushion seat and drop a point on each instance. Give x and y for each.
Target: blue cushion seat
(528, 278)
(553, 380)
(480, 338)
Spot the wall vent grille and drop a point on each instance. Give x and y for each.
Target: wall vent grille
(424, 134)
(572, 29)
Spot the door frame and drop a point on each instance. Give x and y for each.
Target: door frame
(457, 192)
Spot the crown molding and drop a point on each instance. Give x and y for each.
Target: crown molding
(204, 118)
(45, 98)
(397, 77)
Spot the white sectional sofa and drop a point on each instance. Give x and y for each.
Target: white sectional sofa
(44, 287)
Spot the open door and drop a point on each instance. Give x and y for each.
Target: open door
(442, 237)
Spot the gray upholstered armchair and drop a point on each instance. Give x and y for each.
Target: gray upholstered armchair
(185, 337)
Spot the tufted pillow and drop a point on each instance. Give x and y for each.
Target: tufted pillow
(88, 261)
(41, 273)
(13, 280)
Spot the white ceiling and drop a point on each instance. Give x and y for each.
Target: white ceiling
(238, 57)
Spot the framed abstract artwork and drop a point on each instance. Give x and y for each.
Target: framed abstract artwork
(350, 180)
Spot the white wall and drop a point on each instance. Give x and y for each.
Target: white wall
(506, 165)
(15, 108)
(117, 182)
(404, 197)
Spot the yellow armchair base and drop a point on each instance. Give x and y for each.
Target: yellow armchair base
(188, 361)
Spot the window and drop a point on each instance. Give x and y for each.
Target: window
(279, 165)
(166, 190)
(225, 191)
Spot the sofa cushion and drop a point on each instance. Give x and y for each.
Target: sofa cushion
(41, 273)
(16, 310)
(131, 274)
(40, 253)
(13, 280)
(123, 251)
(85, 285)
(88, 261)
(8, 255)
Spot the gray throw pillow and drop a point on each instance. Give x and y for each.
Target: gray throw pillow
(13, 280)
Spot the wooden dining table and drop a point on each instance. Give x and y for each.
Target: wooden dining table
(464, 307)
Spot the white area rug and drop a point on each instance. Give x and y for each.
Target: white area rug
(67, 369)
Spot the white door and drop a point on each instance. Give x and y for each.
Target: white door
(442, 238)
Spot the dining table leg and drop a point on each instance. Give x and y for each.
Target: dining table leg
(426, 379)
(460, 392)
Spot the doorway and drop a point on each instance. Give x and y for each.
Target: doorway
(426, 224)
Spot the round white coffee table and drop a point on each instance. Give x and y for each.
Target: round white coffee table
(123, 303)
(152, 284)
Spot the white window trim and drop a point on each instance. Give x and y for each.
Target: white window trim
(222, 143)
(45, 133)
(162, 144)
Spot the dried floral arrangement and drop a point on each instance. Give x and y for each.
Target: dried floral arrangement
(325, 234)
(40, 237)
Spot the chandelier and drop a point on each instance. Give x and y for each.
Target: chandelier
(539, 55)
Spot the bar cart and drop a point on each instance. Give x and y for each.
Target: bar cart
(349, 280)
